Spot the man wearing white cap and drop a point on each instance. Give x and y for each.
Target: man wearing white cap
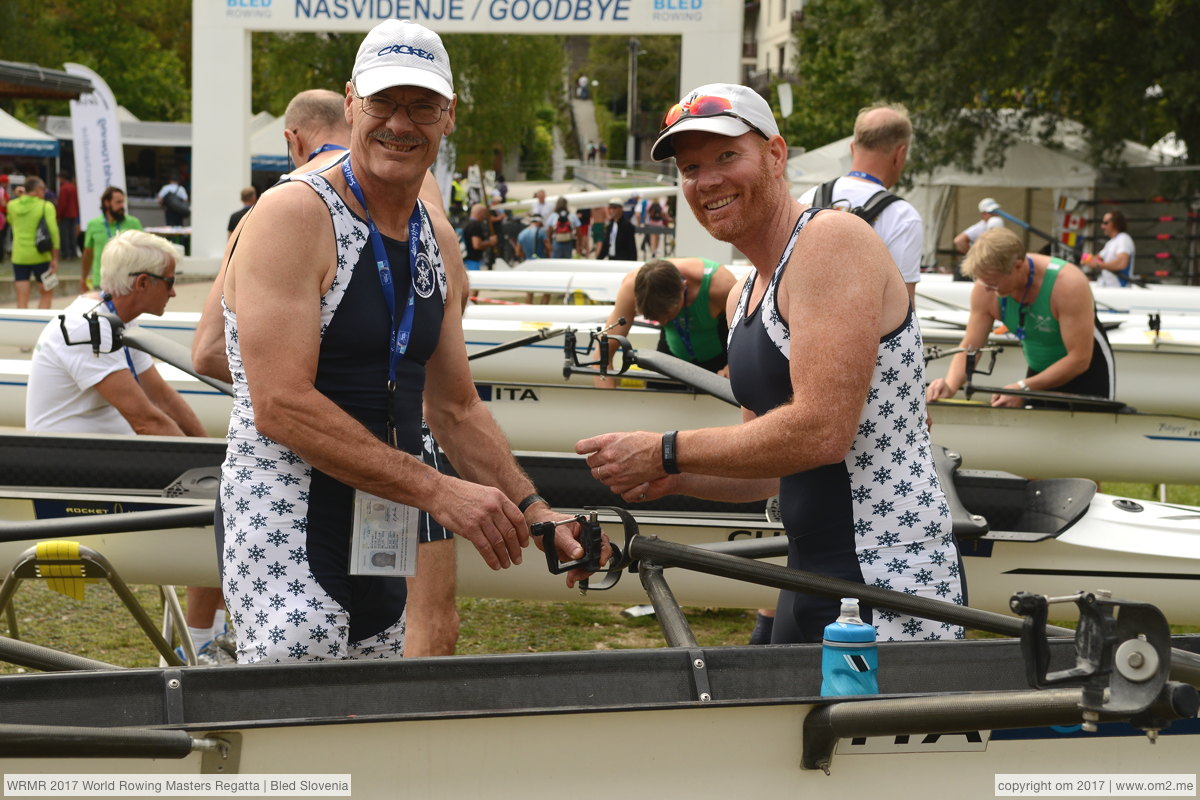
(341, 319)
(825, 358)
(878, 153)
(988, 219)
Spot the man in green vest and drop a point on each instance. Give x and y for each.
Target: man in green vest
(1046, 303)
(687, 297)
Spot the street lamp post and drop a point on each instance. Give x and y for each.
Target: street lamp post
(631, 113)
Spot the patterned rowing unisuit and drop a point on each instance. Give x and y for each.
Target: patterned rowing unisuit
(283, 526)
(879, 516)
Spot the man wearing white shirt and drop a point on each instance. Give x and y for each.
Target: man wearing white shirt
(1115, 260)
(879, 151)
(988, 219)
(541, 206)
(72, 390)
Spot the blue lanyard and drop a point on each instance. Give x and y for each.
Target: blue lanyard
(685, 330)
(108, 230)
(866, 176)
(324, 149)
(128, 358)
(1020, 331)
(401, 331)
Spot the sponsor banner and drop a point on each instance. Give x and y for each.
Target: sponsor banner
(445, 15)
(99, 162)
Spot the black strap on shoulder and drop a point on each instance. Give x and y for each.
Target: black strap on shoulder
(824, 195)
(870, 210)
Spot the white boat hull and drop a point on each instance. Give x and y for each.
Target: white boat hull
(1146, 550)
(1156, 376)
(652, 753)
(1056, 443)
(485, 328)
(1152, 448)
(1154, 299)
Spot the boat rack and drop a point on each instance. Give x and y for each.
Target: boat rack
(68, 566)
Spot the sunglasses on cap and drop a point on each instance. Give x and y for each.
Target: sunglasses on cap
(706, 106)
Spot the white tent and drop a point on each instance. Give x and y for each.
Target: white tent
(1028, 166)
(18, 139)
(267, 145)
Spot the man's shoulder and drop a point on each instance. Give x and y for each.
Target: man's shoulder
(134, 223)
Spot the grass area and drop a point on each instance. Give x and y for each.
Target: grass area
(100, 628)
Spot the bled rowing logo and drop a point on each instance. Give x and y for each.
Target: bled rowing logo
(423, 280)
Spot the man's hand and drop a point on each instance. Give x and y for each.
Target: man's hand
(624, 462)
(939, 390)
(1008, 400)
(486, 518)
(566, 540)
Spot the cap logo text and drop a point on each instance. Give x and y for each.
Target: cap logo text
(406, 50)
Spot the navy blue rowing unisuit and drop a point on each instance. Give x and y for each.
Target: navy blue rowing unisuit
(877, 517)
(286, 526)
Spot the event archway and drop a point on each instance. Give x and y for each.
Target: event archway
(711, 52)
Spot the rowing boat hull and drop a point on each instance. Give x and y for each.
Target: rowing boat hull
(1144, 549)
(1155, 375)
(1057, 443)
(633, 716)
(1154, 299)
(1103, 446)
(486, 328)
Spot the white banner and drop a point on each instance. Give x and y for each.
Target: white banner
(99, 161)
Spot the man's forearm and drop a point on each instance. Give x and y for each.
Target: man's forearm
(728, 490)
(479, 451)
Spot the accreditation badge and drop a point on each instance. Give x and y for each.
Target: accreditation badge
(384, 539)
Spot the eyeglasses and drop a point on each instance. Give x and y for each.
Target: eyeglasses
(170, 282)
(706, 106)
(381, 106)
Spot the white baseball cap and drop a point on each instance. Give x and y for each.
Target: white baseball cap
(400, 52)
(724, 108)
(988, 206)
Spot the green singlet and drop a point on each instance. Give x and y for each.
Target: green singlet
(695, 335)
(1043, 344)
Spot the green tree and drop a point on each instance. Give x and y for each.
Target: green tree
(982, 73)
(142, 49)
(658, 84)
(502, 82)
(831, 90)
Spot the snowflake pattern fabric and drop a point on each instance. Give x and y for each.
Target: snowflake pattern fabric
(901, 523)
(280, 611)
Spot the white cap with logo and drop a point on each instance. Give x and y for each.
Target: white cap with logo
(724, 108)
(988, 206)
(402, 53)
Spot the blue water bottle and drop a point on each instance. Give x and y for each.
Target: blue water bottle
(849, 661)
